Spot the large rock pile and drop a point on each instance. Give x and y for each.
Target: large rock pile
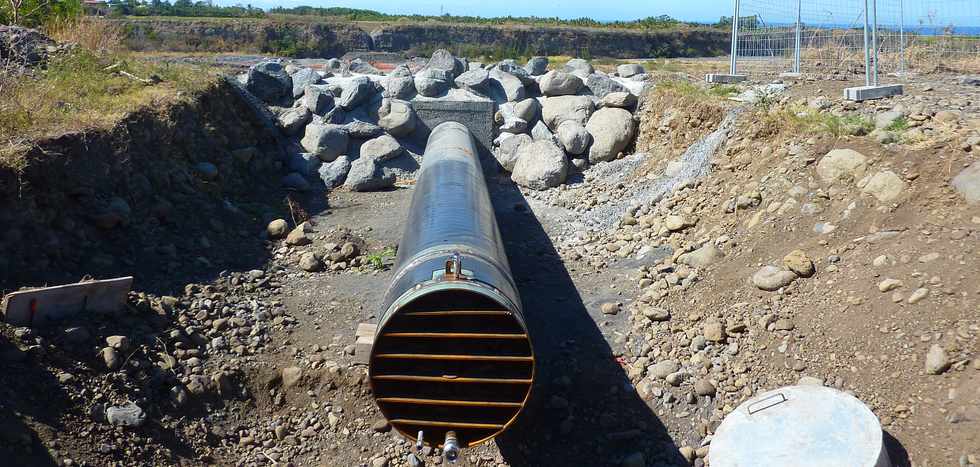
(347, 126)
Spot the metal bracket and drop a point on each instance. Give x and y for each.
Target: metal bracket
(454, 267)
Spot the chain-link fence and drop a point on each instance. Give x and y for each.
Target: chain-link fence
(833, 36)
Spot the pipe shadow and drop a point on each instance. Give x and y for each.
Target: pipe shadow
(583, 409)
(897, 454)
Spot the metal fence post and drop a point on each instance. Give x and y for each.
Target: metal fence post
(799, 32)
(901, 36)
(734, 65)
(874, 39)
(867, 57)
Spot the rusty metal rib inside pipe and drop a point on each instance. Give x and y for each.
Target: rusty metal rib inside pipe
(452, 355)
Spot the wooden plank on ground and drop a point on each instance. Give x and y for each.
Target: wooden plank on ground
(37, 307)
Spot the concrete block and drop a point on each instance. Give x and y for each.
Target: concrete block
(49, 304)
(476, 115)
(717, 78)
(366, 330)
(864, 93)
(790, 75)
(362, 350)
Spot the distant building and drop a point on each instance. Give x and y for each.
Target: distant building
(95, 7)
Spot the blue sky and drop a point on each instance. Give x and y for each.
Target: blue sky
(691, 10)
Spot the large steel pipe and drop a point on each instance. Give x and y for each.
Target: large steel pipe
(452, 353)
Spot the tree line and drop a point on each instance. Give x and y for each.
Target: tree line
(39, 12)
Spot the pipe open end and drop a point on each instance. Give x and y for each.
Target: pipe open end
(452, 360)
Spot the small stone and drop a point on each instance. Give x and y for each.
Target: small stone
(714, 331)
(783, 324)
(771, 278)
(687, 452)
(309, 262)
(610, 308)
(919, 295)
(937, 362)
(704, 387)
(888, 285)
(298, 236)
(381, 426)
(660, 370)
(125, 415)
(799, 263)
(291, 376)
(277, 228)
(113, 361)
(656, 314)
(810, 381)
(117, 342)
(676, 223)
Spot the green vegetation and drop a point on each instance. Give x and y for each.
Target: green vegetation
(899, 125)
(185, 8)
(35, 13)
(809, 120)
(352, 14)
(377, 259)
(86, 89)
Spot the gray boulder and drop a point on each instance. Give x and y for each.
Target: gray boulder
(507, 152)
(269, 81)
(555, 110)
(356, 91)
(399, 87)
(382, 148)
(474, 81)
(527, 109)
(334, 173)
(396, 117)
(367, 175)
(334, 65)
(519, 72)
(433, 82)
(294, 120)
(579, 67)
(612, 130)
(540, 165)
(506, 87)
(622, 100)
(600, 85)
(360, 66)
(967, 183)
(513, 125)
(443, 60)
(304, 163)
(537, 66)
(303, 78)
(970, 80)
(325, 140)
(541, 132)
(318, 99)
(361, 129)
(559, 83)
(628, 70)
(573, 137)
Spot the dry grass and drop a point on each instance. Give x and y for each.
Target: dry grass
(84, 91)
(94, 34)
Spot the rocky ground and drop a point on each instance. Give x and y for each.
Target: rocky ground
(787, 237)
